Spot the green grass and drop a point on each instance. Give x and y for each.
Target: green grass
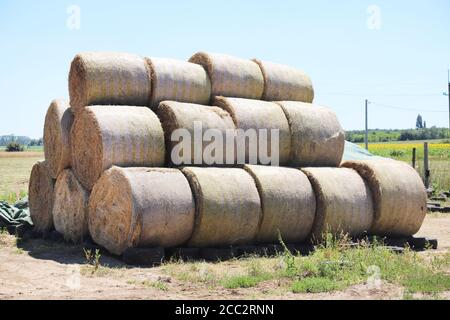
(332, 266)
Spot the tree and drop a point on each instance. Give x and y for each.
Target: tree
(419, 122)
(14, 147)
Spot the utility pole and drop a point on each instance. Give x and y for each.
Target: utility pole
(366, 137)
(448, 95)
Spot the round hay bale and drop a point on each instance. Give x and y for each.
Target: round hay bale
(344, 202)
(317, 137)
(228, 208)
(40, 197)
(231, 76)
(108, 78)
(103, 136)
(288, 203)
(177, 115)
(146, 207)
(285, 83)
(399, 196)
(178, 80)
(257, 115)
(70, 207)
(58, 122)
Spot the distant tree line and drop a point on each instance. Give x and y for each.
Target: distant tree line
(380, 135)
(20, 140)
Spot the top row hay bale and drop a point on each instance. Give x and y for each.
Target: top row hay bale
(285, 83)
(108, 78)
(231, 76)
(179, 81)
(103, 136)
(40, 197)
(399, 196)
(58, 122)
(132, 207)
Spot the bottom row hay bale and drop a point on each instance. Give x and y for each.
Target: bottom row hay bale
(70, 207)
(132, 207)
(40, 197)
(288, 203)
(228, 207)
(399, 196)
(344, 202)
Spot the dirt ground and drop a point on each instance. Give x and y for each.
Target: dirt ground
(38, 269)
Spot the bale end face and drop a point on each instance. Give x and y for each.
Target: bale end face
(110, 212)
(40, 197)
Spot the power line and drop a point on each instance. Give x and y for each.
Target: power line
(379, 94)
(405, 108)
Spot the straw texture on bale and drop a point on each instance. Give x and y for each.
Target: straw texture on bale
(256, 114)
(58, 122)
(108, 78)
(40, 197)
(285, 83)
(344, 202)
(178, 80)
(231, 76)
(177, 115)
(228, 208)
(288, 203)
(132, 207)
(103, 136)
(399, 196)
(70, 207)
(317, 137)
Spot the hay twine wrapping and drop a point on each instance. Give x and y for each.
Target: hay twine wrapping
(228, 208)
(70, 207)
(58, 122)
(344, 202)
(231, 76)
(178, 80)
(108, 78)
(399, 196)
(40, 197)
(256, 114)
(288, 203)
(103, 136)
(177, 115)
(149, 207)
(316, 135)
(284, 83)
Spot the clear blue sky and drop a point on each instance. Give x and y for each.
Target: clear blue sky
(403, 63)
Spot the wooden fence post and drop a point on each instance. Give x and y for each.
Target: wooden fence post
(414, 158)
(426, 168)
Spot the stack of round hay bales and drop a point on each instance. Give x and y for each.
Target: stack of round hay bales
(344, 202)
(285, 83)
(317, 137)
(179, 118)
(287, 201)
(70, 207)
(132, 207)
(399, 196)
(231, 76)
(108, 78)
(103, 136)
(40, 197)
(256, 115)
(228, 208)
(179, 81)
(58, 122)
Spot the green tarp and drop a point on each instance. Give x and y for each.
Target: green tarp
(15, 215)
(354, 152)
